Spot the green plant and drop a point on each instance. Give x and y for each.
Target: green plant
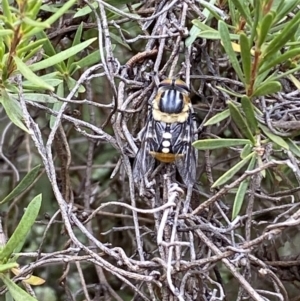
(8, 261)
(267, 43)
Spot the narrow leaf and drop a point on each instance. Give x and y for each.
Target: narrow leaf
(249, 112)
(30, 76)
(246, 57)
(278, 140)
(284, 8)
(38, 97)
(7, 11)
(6, 32)
(225, 37)
(17, 293)
(53, 18)
(13, 110)
(87, 61)
(19, 235)
(264, 28)
(208, 144)
(57, 105)
(201, 25)
(23, 185)
(30, 46)
(241, 192)
(230, 92)
(246, 151)
(59, 57)
(119, 40)
(293, 147)
(86, 10)
(35, 23)
(193, 35)
(232, 171)
(243, 9)
(285, 35)
(76, 41)
(7, 266)
(240, 122)
(266, 88)
(218, 118)
(290, 54)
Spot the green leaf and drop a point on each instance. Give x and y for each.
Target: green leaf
(87, 61)
(20, 233)
(35, 23)
(59, 57)
(13, 110)
(38, 97)
(201, 25)
(243, 9)
(246, 57)
(32, 53)
(293, 147)
(6, 32)
(218, 118)
(50, 51)
(209, 35)
(249, 112)
(193, 35)
(282, 58)
(6, 10)
(268, 87)
(30, 46)
(284, 74)
(211, 9)
(86, 10)
(240, 122)
(208, 144)
(71, 83)
(232, 171)
(53, 18)
(264, 28)
(50, 8)
(53, 82)
(246, 151)
(76, 41)
(23, 185)
(17, 293)
(281, 39)
(225, 37)
(215, 35)
(284, 8)
(34, 8)
(30, 76)
(119, 40)
(278, 140)
(240, 195)
(117, 3)
(232, 93)
(57, 105)
(7, 266)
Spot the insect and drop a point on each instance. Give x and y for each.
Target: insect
(169, 133)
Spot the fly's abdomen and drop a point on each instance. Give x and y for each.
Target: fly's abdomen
(164, 150)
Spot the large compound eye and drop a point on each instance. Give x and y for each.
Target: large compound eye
(174, 84)
(182, 85)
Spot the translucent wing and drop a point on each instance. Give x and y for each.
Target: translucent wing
(186, 164)
(144, 162)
